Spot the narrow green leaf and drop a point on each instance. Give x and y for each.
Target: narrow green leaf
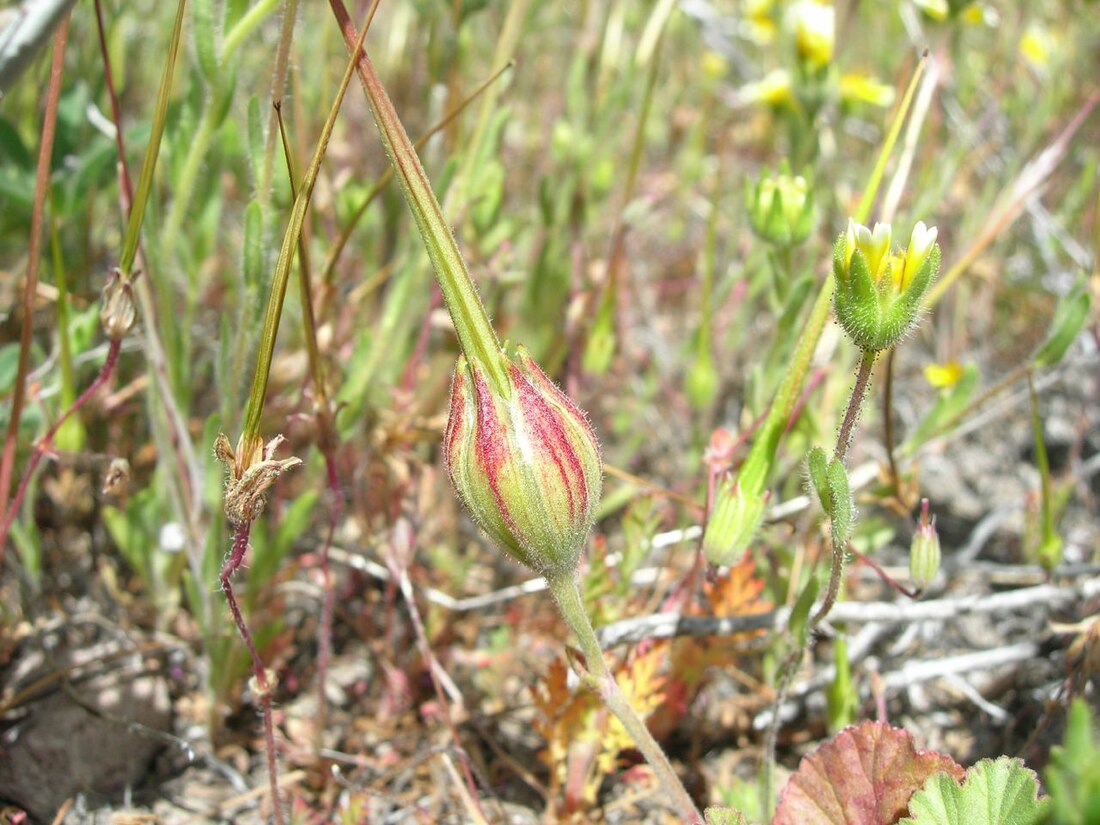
(1069, 320)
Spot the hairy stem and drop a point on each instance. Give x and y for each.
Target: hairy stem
(855, 403)
(565, 588)
(259, 672)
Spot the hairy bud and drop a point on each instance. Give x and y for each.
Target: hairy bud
(525, 462)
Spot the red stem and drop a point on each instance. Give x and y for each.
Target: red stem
(116, 111)
(236, 557)
(324, 642)
(43, 445)
(30, 288)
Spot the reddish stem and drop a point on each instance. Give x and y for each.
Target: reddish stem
(116, 111)
(30, 287)
(324, 641)
(43, 445)
(882, 574)
(236, 558)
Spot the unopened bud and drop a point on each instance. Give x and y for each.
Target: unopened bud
(781, 207)
(525, 462)
(924, 553)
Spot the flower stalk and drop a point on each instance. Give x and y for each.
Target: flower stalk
(600, 680)
(521, 456)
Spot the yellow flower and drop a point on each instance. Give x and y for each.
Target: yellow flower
(936, 9)
(1037, 46)
(861, 88)
(759, 22)
(774, 89)
(943, 376)
(714, 65)
(814, 25)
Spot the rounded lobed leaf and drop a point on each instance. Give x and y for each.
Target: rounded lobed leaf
(993, 792)
(864, 775)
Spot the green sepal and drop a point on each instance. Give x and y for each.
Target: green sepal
(818, 464)
(843, 508)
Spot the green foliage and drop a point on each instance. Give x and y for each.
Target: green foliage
(1073, 774)
(993, 792)
(1069, 320)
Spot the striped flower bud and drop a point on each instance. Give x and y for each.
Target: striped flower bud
(524, 461)
(924, 553)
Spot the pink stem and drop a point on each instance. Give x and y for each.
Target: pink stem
(236, 557)
(43, 445)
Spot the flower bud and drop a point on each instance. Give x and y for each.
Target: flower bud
(734, 520)
(879, 293)
(924, 553)
(524, 461)
(781, 207)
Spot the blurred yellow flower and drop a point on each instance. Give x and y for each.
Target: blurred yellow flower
(1038, 46)
(943, 376)
(714, 65)
(861, 88)
(814, 25)
(774, 89)
(759, 21)
(936, 9)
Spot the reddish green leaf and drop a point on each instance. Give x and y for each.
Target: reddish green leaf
(863, 776)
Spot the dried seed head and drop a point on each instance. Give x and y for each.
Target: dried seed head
(252, 471)
(116, 306)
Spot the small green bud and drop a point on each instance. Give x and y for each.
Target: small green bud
(879, 294)
(733, 523)
(701, 382)
(781, 207)
(924, 553)
(525, 462)
(830, 481)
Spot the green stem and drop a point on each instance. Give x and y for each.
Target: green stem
(251, 431)
(565, 588)
(475, 334)
(149, 164)
(192, 165)
(843, 442)
(870, 191)
(754, 472)
(209, 121)
(236, 36)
